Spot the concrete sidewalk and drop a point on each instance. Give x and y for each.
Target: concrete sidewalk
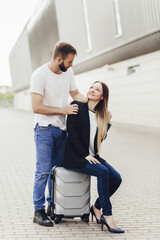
(136, 207)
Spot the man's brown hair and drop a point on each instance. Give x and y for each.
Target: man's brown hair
(62, 49)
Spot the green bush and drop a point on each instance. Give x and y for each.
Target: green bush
(6, 100)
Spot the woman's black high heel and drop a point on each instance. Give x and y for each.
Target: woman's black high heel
(112, 230)
(93, 214)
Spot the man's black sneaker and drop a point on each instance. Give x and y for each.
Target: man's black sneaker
(40, 217)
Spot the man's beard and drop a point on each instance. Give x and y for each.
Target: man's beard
(62, 67)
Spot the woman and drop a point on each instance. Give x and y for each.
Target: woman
(86, 130)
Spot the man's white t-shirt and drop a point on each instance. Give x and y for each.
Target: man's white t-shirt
(55, 91)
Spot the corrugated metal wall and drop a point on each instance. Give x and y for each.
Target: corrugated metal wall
(20, 63)
(43, 33)
(35, 45)
(139, 17)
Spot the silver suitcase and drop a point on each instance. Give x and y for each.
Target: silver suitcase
(70, 195)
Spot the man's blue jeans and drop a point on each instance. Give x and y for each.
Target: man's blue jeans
(50, 145)
(108, 181)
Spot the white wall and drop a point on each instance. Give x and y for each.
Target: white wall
(22, 100)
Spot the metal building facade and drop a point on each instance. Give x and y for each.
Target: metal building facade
(91, 26)
(96, 35)
(124, 34)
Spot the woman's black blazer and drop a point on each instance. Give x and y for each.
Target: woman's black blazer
(77, 146)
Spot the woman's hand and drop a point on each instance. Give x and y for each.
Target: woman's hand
(110, 115)
(91, 159)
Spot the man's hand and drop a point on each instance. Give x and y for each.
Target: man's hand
(40, 108)
(91, 159)
(71, 109)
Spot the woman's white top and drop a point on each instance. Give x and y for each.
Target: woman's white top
(93, 129)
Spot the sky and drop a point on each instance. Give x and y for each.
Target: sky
(13, 16)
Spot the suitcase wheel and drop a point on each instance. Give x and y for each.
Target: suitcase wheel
(52, 217)
(58, 219)
(85, 218)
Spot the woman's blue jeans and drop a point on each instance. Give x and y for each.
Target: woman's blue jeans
(50, 145)
(108, 181)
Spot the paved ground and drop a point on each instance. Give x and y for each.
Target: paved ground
(136, 208)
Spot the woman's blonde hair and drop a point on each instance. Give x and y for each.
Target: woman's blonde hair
(102, 116)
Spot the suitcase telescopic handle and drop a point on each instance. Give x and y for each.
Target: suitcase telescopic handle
(52, 191)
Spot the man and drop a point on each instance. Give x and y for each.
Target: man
(50, 87)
